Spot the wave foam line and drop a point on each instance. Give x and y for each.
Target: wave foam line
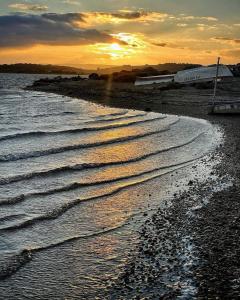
(74, 130)
(13, 262)
(115, 119)
(66, 206)
(18, 259)
(85, 166)
(14, 157)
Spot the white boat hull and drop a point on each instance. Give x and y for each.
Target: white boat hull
(203, 74)
(154, 79)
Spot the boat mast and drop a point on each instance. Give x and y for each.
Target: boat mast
(216, 81)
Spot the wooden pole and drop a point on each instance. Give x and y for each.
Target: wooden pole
(216, 82)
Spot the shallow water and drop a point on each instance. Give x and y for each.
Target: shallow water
(75, 181)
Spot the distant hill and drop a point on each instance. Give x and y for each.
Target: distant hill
(130, 73)
(54, 69)
(40, 69)
(92, 66)
(174, 67)
(170, 67)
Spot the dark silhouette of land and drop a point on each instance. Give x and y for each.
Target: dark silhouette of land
(40, 69)
(55, 69)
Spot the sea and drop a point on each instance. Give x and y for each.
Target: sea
(77, 180)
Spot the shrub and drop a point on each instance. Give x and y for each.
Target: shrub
(94, 76)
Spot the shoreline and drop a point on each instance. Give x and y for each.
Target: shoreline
(216, 226)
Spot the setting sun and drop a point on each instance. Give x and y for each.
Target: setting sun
(116, 47)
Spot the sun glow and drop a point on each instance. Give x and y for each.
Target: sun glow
(129, 46)
(116, 47)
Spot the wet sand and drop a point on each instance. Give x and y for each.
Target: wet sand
(197, 239)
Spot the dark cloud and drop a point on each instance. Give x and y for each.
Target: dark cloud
(237, 41)
(168, 45)
(65, 18)
(80, 17)
(128, 15)
(51, 29)
(160, 44)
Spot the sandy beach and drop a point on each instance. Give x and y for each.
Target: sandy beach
(212, 227)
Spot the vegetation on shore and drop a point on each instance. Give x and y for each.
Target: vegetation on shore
(165, 69)
(119, 71)
(116, 74)
(40, 69)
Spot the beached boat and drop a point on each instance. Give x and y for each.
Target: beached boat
(202, 74)
(154, 79)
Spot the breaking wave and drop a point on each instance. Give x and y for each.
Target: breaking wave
(68, 195)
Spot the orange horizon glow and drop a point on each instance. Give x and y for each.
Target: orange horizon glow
(111, 54)
(148, 38)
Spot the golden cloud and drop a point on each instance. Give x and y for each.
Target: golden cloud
(28, 7)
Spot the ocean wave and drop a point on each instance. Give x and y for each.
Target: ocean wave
(38, 153)
(11, 217)
(85, 166)
(12, 261)
(101, 119)
(120, 113)
(74, 130)
(115, 119)
(54, 214)
(12, 200)
(50, 114)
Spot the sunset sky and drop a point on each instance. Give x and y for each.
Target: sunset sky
(113, 32)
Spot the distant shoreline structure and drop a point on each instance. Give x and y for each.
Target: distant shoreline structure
(202, 74)
(123, 71)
